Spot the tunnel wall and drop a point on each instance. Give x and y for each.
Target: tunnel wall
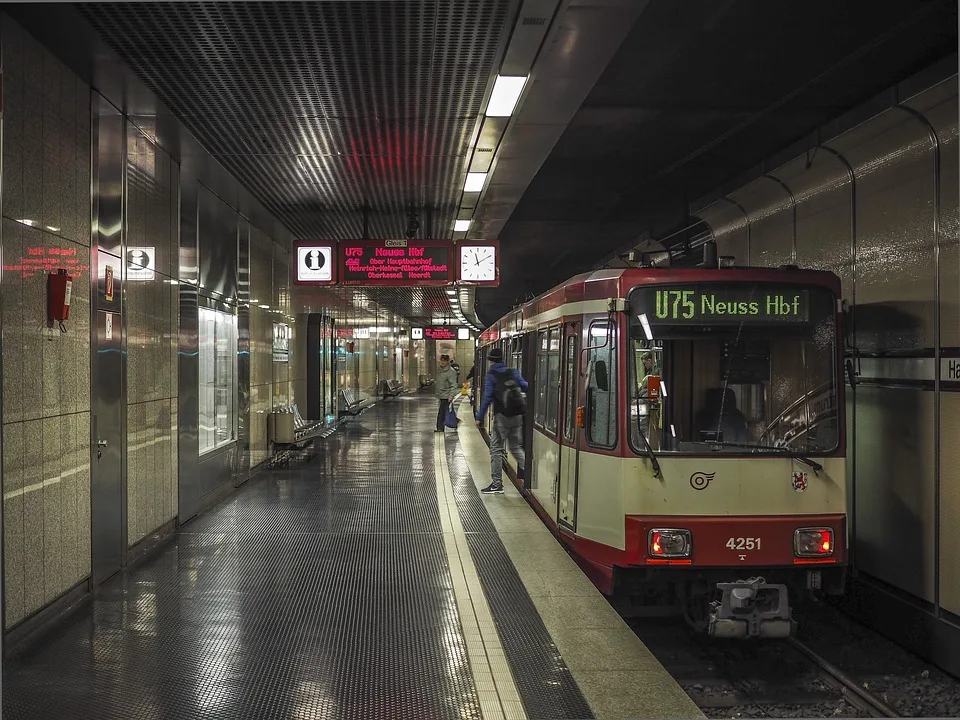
(878, 206)
(46, 374)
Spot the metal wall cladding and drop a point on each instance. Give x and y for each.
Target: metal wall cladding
(822, 185)
(217, 242)
(895, 450)
(152, 318)
(188, 436)
(949, 503)
(879, 207)
(892, 158)
(730, 227)
(46, 374)
(769, 208)
(939, 108)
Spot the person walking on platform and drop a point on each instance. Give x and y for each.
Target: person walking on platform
(445, 387)
(502, 388)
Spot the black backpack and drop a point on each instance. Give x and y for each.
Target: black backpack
(508, 394)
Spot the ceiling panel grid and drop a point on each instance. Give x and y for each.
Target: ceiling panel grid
(324, 108)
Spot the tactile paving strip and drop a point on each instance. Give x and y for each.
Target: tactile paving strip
(318, 592)
(543, 680)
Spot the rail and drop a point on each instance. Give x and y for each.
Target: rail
(862, 698)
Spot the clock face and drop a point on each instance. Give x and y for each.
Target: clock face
(478, 263)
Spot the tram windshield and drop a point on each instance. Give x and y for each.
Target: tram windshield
(735, 368)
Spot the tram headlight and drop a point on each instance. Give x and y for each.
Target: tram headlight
(669, 543)
(813, 542)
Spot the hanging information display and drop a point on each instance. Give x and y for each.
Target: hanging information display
(441, 332)
(403, 263)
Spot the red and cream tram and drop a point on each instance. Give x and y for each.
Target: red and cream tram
(685, 436)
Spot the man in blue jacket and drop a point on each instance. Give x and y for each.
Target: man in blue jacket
(501, 388)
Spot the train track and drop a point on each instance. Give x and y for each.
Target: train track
(856, 694)
(757, 678)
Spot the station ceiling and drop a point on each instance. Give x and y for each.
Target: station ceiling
(344, 118)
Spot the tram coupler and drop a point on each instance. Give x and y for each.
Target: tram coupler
(751, 608)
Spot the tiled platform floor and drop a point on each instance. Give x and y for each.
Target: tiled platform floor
(314, 592)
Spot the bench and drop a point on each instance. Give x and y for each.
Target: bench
(289, 429)
(350, 405)
(392, 388)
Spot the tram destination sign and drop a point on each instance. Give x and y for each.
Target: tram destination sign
(402, 263)
(723, 305)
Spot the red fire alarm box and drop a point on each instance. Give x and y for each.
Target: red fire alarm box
(59, 290)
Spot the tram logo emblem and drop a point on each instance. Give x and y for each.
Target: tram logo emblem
(700, 480)
(799, 481)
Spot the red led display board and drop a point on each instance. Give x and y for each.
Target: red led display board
(399, 263)
(440, 332)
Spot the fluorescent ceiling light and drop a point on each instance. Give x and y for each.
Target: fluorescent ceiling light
(474, 182)
(461, 225)
(265, 307)
(646, 326)
(506, 92)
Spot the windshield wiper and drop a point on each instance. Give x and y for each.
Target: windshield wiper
(817, 467)
(652, 455)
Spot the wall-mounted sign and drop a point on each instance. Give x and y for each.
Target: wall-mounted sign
(141, 263)
(344, 332)
(396, 262)
(361, 333)
(463, 333)
(416, 333)
(478, 262)
(316, 263)
(281, 342)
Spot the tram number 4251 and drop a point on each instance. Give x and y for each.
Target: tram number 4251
(743, 543)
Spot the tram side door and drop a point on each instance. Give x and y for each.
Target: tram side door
(569, 440)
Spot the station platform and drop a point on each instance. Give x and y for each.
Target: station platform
(372, 582)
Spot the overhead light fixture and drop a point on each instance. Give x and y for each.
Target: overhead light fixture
(462, 225)
(645, 324)
(474, 182)
(265, 307)
(506, 92)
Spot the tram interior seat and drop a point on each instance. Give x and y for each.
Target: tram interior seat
(720, 413)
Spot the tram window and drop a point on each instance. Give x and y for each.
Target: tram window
(602, 402)
(541, 410)
(553, 382)
(516, 352)
(570, 387)
(704, 380)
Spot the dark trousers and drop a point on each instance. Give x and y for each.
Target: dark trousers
(442, 414)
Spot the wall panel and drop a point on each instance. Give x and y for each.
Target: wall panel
(46, 374)
(152, 326)
(771, 222)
